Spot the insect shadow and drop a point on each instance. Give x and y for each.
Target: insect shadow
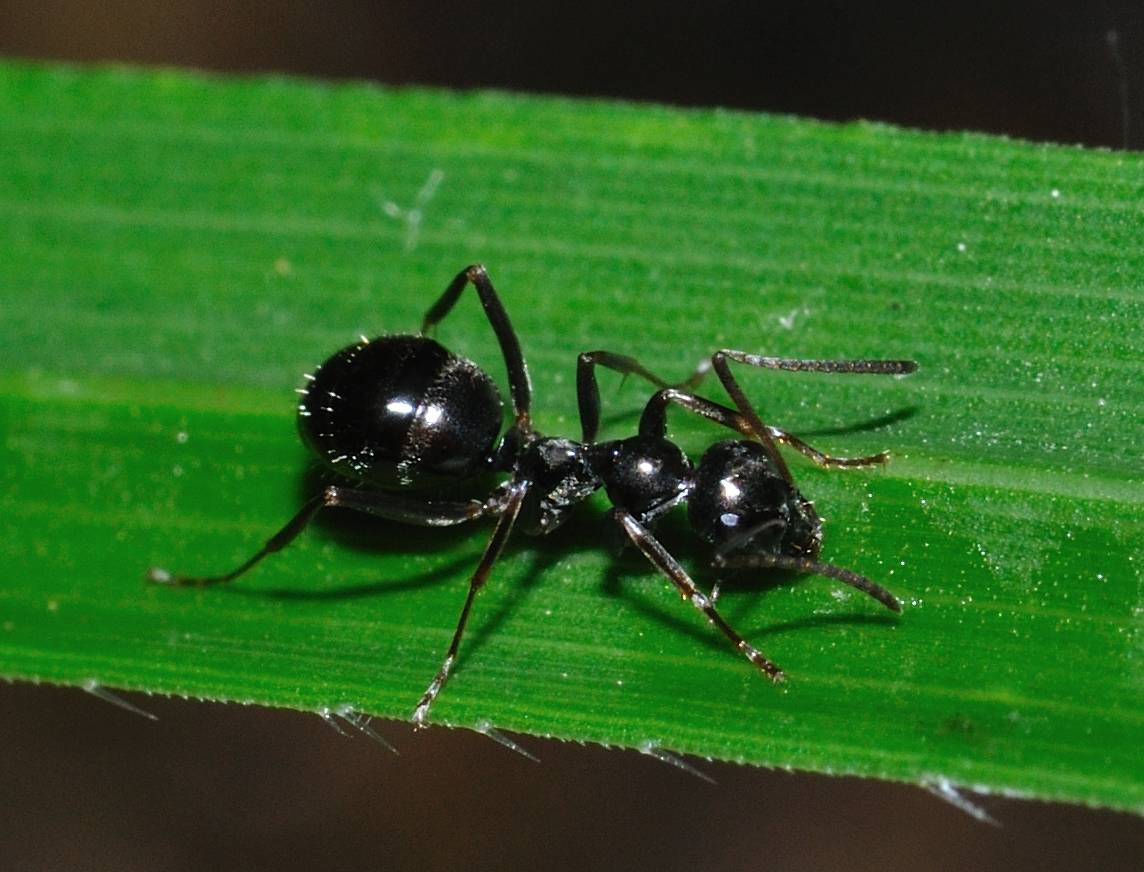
(364, 534)
(626, 577)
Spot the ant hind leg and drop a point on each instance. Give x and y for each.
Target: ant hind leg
(519, 386)
(396, 508)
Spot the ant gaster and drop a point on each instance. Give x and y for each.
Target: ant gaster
(401, 416)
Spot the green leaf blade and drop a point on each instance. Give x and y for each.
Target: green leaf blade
(178, 250)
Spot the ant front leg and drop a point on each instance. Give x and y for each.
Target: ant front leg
(396, 508)
(661, 558)
(827, 461)
(519, 386)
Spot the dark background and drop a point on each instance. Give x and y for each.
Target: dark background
(84, 785)
(1043, 71)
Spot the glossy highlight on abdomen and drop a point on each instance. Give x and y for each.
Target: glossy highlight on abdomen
(400, 411)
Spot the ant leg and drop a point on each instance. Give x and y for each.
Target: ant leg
(828, 461)
(654, 423)
(588, 394)
(509, 511)
(812, 567)
(669, 566)
(518, 382)
(760, 430)
(396, 508)
(588, 390)
(727, 547)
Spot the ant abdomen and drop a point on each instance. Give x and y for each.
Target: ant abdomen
(401, 412)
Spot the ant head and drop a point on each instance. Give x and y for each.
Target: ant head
(743, 505)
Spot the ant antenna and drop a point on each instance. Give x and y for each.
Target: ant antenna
(811, 567)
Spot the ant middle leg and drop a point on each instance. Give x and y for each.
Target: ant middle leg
(654, 420)
(588, 388)
(509, 511)
(396, 508)
(860, 366)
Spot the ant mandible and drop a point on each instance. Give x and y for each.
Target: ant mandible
(402, 413)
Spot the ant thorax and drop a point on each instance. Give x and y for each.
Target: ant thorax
(561, 478)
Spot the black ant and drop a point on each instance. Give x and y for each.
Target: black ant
(404, 413)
